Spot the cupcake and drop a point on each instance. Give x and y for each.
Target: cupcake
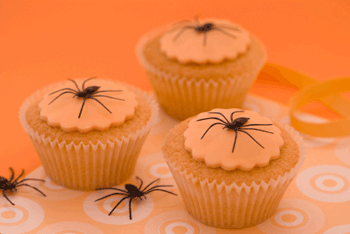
(88, 133)
(195, 66)
(231, 166)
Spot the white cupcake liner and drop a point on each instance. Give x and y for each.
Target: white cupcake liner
(88, 166)
(234, 206)
(182, 97)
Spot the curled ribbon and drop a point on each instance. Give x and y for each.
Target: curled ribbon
(328, 92)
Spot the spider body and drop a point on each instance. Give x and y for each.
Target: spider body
(133, 192)
(237, 125)
(5, 184)
(12, 184)
(205, 29)
(90, 92)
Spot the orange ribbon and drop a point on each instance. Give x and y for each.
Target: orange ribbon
(328, 92)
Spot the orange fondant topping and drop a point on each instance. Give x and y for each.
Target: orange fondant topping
(64, 111)
(216, 146)
(224, 41)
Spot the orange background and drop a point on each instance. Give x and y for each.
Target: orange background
(46, 41)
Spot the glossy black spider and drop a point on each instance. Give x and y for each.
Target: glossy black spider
(13, 184)
(205, 28)
(86, 93)
(134, 192)
(236, 125)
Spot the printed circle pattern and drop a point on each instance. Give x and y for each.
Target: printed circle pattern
(325, 183)
(175, 222)
(99, 211)
(281, 219)
(49, 188)
(153, 166)
(342, 229)
(13, 216)
(342, 150)
(70, 228)
(321, 180)
(294, 216)
(25, 216)
(180, 225)
(158, 170)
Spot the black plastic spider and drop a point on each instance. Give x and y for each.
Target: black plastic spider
(205, 28)
(134, 192)
(11, 184)
(236, 125)
(86, 93)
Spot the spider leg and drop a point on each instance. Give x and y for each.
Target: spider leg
(160, 186)
(112, 189)
(150, 184)
(227, 27)
(221, 115)
(179, 25)
(12, 174)
(63, 89)
(152, 190)
(30, 179)
(130, 208)
(224, 32)
(182, 21)
(248, 125)
(257, 130)
(109, 97)
(3, 193)
(32, 188)
(111, 195)
(117, 205)
(101, 104)
(75, 84)
(87, 80)
(212, 118)
(81, 109)
(233, 113)
(210, 128)
(196, 20)
(103, 91)
(251, 137)
(234, 143)
(141, 182)
(15, 181)
(11, 190)
(60, 95)
(181, 31)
